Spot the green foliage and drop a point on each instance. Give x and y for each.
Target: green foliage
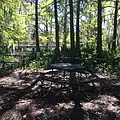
(35, 65)
(10, 59)
(17, 22)
(12, 22)
(46, 55)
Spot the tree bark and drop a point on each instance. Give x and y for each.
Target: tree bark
(51, 25)
(46, 25)
(99, 29)
(36, 27)
(115, 26)
(72, 32)
(57, 51)
(77, 29)
(65, 29)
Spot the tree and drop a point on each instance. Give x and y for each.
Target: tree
(77, 29)
(65, 28)
(36, 28)
(115, 26)
(99, 29)
(72, 42)
(57, 52)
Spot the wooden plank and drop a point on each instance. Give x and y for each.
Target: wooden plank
(100, 76)
(49, 71)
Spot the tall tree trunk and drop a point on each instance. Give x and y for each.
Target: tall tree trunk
(46, 25)
(51, 25)
(72, 31)
(115, 26)
(46, 21)
(51, 21)
(20, 10)
(57, 51)
(36, 28)
(65, 29)
(77, 29)
(99, 29)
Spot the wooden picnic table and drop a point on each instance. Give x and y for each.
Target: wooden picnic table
(73, 69)
(60, 71)
(67, 73)
(76, 72)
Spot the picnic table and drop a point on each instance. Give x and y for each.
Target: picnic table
(79, 79)
(70, 68)
(72, 75)
(68, 73)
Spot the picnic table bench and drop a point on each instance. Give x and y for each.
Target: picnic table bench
(52, 75)
(49, 71)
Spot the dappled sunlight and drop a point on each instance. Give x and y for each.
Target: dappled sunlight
(12, 82)
(59, 60)
(38, 112)
(103, 103)
(69, 105)
(53, 111)
(106, 99)
(18, 79)
(11, 115)
(8, 80)
(55, 103)
(90, 106)
(22, 104)
(113, 108)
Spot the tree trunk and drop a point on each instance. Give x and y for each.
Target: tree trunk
(115, 26)
(36, 28)
(51, 25)
(72, 31)
(77, 29)
(65, 29)
(46, 25)
(99, 29)
(57, 52)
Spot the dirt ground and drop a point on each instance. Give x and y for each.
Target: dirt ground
(54, 104)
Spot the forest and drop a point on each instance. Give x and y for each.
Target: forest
(59, 60)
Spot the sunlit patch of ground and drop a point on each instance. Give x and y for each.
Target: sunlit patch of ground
(105, 102)
(103, 107)
(8, 80)
(56, 111)
(23, 104)
(19, 78)
(11, 115)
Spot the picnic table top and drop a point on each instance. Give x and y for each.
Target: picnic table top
(68, 66)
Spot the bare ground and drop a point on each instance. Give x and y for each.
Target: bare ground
(52, 104)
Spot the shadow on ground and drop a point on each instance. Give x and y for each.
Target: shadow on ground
(52, 103)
